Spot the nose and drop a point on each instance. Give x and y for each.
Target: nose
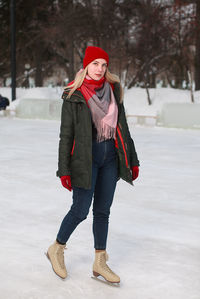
(100, 67)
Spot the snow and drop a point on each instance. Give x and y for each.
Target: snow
(136, 99)
(154, 236)
(36, 92)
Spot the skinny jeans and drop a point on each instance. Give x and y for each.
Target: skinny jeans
(104, 179)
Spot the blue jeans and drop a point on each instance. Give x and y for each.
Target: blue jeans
(104, 179)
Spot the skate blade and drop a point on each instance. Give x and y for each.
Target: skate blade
(113, 284)
(46, 253)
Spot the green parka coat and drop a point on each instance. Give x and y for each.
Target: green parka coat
(75, 146)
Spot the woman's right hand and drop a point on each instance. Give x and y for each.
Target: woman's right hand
(66, 182)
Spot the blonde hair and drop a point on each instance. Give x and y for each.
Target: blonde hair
(80, 76)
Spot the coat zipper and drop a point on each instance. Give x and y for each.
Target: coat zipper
(72, 151)
(123, 146)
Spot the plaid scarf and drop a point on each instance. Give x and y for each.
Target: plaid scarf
(101, 101)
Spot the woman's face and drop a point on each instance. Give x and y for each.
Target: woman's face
(97, 69)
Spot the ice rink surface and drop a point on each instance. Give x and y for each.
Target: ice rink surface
(154, 236)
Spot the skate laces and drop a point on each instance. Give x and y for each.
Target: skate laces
(60, 255)
(103, 259)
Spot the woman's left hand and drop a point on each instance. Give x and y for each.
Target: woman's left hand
(135, 172)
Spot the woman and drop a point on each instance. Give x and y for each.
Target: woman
(95, 150)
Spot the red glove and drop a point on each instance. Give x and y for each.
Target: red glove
(66, 182)
(135, 172)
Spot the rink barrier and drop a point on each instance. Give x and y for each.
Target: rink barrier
(51, 109)
(8, 112)
(183, 115)
(143, 120)
(39, 109)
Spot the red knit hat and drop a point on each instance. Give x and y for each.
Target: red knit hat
(92, 53)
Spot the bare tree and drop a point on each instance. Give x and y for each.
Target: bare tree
(151, 42)
(4, 40)
(197, 56)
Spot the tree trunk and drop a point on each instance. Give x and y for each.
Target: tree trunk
(38, 76)
(153, 80)
(71, 71)
(38, 71)
(191, 86)
(148, 95)
(179, 74)
(197, 55)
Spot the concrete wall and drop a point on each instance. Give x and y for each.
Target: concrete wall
(184, 115)
(39, 109)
